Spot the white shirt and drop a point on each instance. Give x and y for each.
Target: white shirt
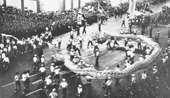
(144, 76)
(35, 59)
(109, 82)
(48, 81)
(148, 51)
(16, 78)
(42, 69)
(133, 78)
(79, 89)
(56, 71)
(117, 69)
(6, 59)
(14, 47)
(24, 77)
(64, 84)
(3, 55)
(141, 58)
(52, 68)
(53, 95)
(42, 60)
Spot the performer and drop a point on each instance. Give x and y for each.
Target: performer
(123, 23)
(108, 43)
(89, 42)
(139, 44)
(59, 42)
(95, 45)
(81, 41)
(115, 42)
(84, 27)
(99, 24)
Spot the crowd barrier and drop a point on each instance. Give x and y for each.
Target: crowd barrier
(137, 66)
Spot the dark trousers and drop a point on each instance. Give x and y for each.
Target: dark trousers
(139, 46)
(27, 83)
(43, 75)
(64, 92)
(17, 85)
(81, 43)
(108, 90)
(59, 45)
(108, 45)
(89, 43)
(84, 30)
(123, 24)
(99, 27)
(115, 43)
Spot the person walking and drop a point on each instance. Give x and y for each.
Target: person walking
(28, 80)
(123, 23)
(24, 78)
(59, 42)
(17, 82)
(63, 86)
(42, 72)
(150, 31)
(53, 94)
(79, 91)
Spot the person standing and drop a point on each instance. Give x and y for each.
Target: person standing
(168, 34)
(150, 31)
(24, 78)
(17, 82)
(28, 80)
(42, 72)
(123, 23)
(108, 86)
(109, 43)
(84, 27)
(99, 25)
(63, 86)
(79, 91)
(157, 35)
(53, 94)
(59, 42)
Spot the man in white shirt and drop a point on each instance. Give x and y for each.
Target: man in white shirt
(63, 85)
(35, 60)
(53, 94)
(48, 82)
(24, 78)
(144, 76)
(79, 91)
(108, 86)
(17, 82)
(42, 72)
(56, 74)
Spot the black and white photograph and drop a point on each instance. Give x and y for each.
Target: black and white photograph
(84, 48)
